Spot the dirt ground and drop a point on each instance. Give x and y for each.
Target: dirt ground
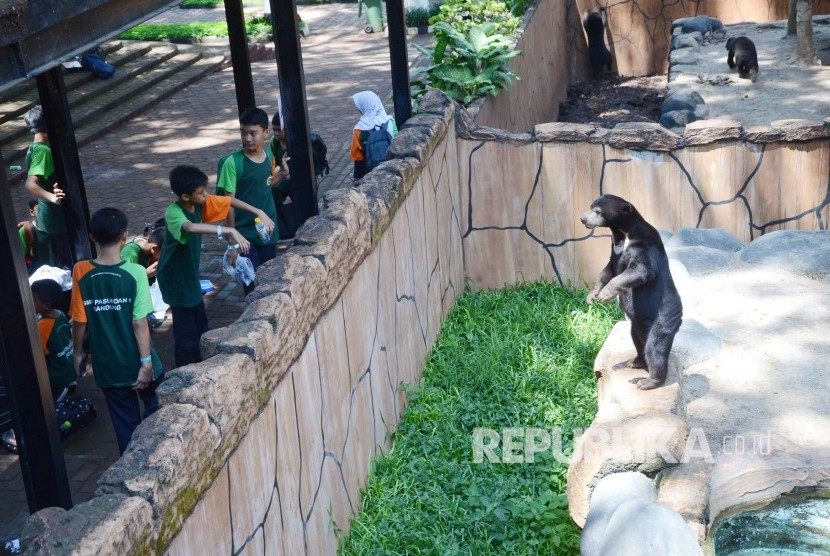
(614, 99)
(785, 89)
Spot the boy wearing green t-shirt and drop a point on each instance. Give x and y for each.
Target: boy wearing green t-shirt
(55, 337)
(110, 300)
(40, 182)
(178, 270)
(34, 242)
(252, 184)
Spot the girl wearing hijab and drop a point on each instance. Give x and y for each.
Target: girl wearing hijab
(372, 115)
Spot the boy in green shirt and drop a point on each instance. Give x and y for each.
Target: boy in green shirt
(178, 270)
(251, 184)
(145, 251)
(33, 241)
(55, 337)
(41, 184)
(111, 299)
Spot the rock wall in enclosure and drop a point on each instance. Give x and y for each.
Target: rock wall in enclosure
(522, 195)
(639, 31)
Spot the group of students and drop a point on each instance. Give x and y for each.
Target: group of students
(110, 295)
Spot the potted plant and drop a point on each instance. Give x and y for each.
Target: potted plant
(418, 17)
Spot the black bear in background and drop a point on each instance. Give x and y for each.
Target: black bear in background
(594, 23)
(638, 272)
(743, 55)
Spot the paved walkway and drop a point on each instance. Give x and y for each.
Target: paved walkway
(128, 168)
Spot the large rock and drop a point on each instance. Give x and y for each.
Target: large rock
(610, 493)
(685, 489)
(714, 238)
(800, 252)
(769, 466)
(702, 24)
(109, 524)
(646, 444)
(694, 344)
(167, 455)
(700, 260)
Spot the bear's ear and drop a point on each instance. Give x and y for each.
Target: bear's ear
(627, 208)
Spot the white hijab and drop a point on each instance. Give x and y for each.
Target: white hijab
(371, 110)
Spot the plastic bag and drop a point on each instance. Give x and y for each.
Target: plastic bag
(59, 275)
(159, 306)
(243, 272)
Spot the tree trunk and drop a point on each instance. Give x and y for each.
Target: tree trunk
(791, 18)
(804, 26)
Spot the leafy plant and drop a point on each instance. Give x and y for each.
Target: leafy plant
(463, 14)
(419, 17)
(467, 65)
(520, 357)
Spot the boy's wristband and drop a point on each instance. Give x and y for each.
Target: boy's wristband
(146, 359)
(219, 231)
(233, 247)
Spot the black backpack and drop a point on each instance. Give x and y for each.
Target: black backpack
(377, 143)
(318, 153)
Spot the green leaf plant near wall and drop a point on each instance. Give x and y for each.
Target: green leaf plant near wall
(467, 65)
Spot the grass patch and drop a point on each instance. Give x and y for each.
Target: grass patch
(191, 4)
(195, 31)
(519, 357)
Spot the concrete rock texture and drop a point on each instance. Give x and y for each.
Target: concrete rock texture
(745, 383)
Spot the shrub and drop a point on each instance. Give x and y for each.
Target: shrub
(468, 65)
(462, 14)
(419, 17)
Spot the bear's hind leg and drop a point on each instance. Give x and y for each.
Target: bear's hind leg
(657, 350)
(638, 336)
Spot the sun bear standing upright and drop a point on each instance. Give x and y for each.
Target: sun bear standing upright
(638, 273)
(598, 53)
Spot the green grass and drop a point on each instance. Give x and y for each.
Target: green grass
(187, 4)
(178, 32)
(515, 358)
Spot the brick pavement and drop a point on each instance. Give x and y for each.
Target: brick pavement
(128, 168)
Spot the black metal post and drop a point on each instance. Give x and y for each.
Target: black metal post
(399, 61)
(240, 59)
(294, 109)
(64, 148)
(23, 369)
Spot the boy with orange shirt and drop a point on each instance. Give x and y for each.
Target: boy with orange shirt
(178, 270)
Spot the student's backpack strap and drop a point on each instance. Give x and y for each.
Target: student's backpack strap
(238, 162)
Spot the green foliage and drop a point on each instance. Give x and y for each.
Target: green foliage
(463, 14)
(190, 4)
(467, 65)
(515, 358)
(419, 17)
(175, 32)
(258, 29)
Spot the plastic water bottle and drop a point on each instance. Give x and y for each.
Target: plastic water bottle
(261, 230)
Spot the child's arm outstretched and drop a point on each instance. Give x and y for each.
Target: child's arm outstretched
(194, 228)
(242, 205)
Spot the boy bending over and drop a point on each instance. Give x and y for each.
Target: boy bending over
(178, 270)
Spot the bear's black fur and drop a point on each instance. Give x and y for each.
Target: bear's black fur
(594, 23)
(638, 273)
(743, 55)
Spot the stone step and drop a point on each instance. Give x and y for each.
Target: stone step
(95, 114)
(82, 85)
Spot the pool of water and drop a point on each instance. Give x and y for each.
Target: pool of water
(788, 529)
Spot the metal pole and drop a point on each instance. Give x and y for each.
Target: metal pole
(240, 59)
(294, 109)
(399, 61)
(24, 373)
(64, 148)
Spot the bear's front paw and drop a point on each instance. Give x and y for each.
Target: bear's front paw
(607, 294)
